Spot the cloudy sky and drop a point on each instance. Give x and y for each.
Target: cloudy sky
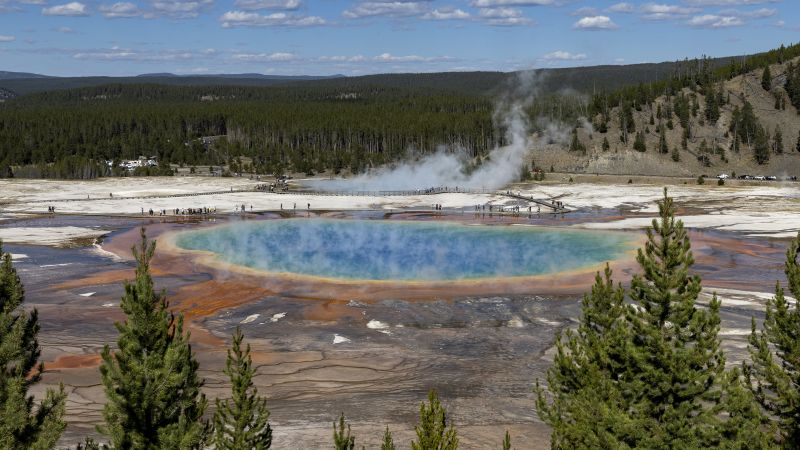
(353, 37)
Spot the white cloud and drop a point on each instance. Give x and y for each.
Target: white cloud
(180, 9)
(385, 58)
(585, 11)
(560, 55)
(268, 4)
(728, 2)
(494, 3)
(233, 19)
(264, 57)
(4, 38)
(622, 7)
(754, 14)
(121, 10)
(68, 9)
(504, 17)
(123, 54)
(390, 9)
(595, 23)
(715, 21)
(389, 58)
(447, 14)
(656, 11)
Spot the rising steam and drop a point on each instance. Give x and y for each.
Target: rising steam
(445, 168)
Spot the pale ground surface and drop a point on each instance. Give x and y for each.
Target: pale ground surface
(765, 210)
(482, 354)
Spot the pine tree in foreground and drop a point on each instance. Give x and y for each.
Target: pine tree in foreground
(22, 427)
(433, 433)
(388, 442)
(583, 402)
(241, 422)
(342, 437)
(774, 374)
(507, 441)
(675, 363)
(151, 381)
(650, 374)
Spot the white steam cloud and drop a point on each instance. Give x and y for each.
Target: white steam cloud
(448, 168)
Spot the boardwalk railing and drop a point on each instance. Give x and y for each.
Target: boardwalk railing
(399, 193)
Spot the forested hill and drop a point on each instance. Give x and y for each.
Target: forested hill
(582, 79)
(350, 124)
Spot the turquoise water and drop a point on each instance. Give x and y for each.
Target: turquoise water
(391, 250)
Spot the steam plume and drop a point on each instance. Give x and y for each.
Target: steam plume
(449, 169)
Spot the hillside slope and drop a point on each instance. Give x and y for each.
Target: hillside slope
(709, 148)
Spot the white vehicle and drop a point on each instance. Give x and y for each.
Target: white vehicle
(723, 176)
(760, 178)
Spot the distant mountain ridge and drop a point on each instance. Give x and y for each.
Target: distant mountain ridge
(586, 79)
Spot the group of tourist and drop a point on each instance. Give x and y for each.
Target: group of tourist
(180, 211)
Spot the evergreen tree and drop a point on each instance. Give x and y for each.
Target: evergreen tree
(761, 146)
(746, 427)
(583, 402)
(777, 141)
(766, 79)
(342, 437)
(676, 156)
(151, 381)
(639, 142)
(797, 145)
(774, 374)
(662, 142)
(22, 427)
(607, 145)
(242, 421)
(676, 365)
(433, 433)
(651, 374)
(507, 441)
(388, 443)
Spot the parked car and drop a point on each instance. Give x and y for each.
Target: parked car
(723, 176)
(760, 178)
(772, 178)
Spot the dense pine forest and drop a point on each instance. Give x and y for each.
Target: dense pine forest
(336, 124)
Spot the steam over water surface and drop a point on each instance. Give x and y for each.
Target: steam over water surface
(390, 250)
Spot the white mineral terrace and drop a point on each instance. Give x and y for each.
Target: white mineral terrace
(770, 210)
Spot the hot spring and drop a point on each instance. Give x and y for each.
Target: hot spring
(396, 250)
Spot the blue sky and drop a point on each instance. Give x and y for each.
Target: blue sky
(354, 37)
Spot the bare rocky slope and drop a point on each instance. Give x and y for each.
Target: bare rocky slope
(620, 158)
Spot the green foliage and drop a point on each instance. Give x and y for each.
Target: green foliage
(507, 441)
(777, 141)
(651, 374)
(639, 143)
(797, 145)
(342, 438)
(433, 432)
(388, 443)
(607, 146)
(582, 402)
(766, 79)
(676, 155)
(662, 142)
(151, 381)
(22, 427)
(720, 182)
(241, 421)
(576, 145)
(774, 374)
(302, 129)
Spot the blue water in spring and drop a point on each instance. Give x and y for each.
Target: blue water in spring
(396, 250)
